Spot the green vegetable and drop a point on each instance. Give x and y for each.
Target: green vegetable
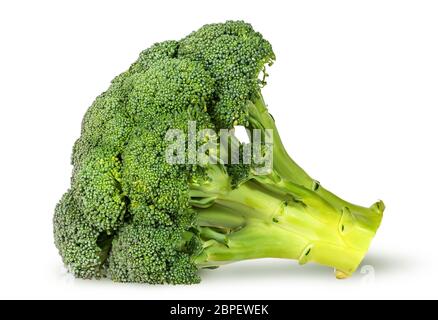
(133, 216)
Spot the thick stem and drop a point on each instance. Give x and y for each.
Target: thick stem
(256, 222)
(260, 118)
(289, 171)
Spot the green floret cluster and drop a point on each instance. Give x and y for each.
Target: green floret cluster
(132, 216)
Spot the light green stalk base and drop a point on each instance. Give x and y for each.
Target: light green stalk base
(254, 222)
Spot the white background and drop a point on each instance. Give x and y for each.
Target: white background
(354, 93)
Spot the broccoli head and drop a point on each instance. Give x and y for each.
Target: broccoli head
(134, 216)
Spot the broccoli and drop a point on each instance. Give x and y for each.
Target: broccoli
(133, 216)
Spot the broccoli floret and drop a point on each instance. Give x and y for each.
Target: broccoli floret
(97, 185)
(144, 252)
(83, 248)
(134, 216)
(234, 54)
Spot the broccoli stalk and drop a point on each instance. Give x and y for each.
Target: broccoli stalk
(262, 219)
(289, 171)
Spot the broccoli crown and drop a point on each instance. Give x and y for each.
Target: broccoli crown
(122, 186)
